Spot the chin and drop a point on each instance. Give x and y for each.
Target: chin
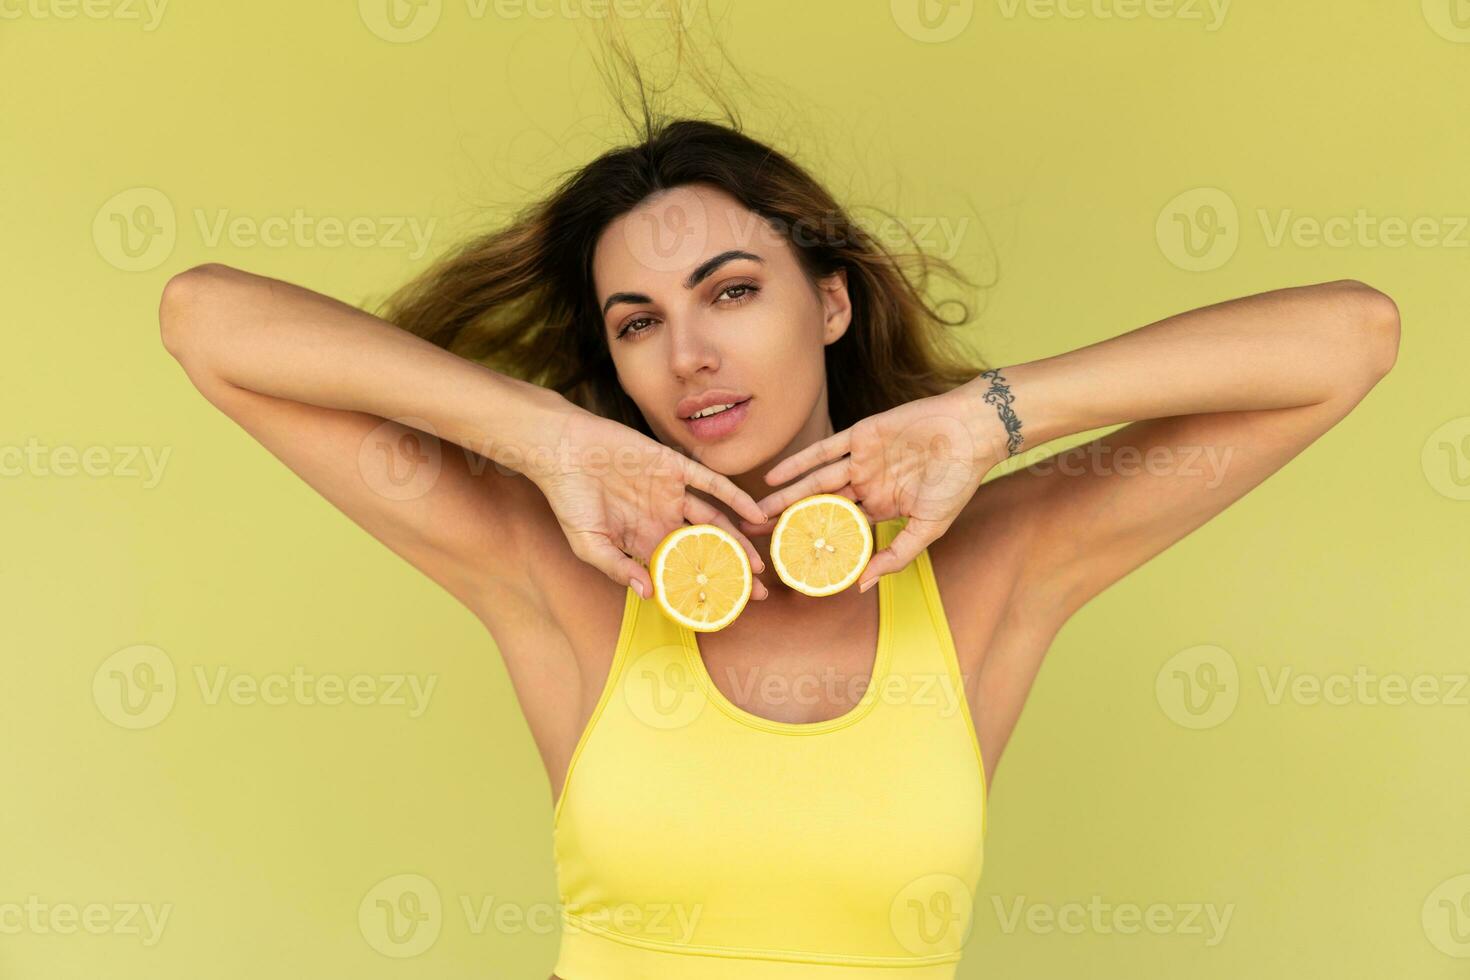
(720, 457)
(729, 457)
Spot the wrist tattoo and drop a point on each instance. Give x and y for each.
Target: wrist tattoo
(1000, 396)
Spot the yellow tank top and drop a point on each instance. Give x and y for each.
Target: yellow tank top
(697, 841)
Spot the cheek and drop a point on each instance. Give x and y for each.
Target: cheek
(787, 339)
(629, 375)
(644, 377)
(797, 352)
(785, 365)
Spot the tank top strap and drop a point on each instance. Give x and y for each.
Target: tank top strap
(924, 672)
(920, 631)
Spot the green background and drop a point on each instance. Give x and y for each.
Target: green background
(1064, 155)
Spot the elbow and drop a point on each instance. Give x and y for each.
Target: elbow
(1376, 316)
(182, 307)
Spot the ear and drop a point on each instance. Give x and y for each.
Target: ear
(836, 305)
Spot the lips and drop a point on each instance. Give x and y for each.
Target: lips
(714, 396)
(721, 425)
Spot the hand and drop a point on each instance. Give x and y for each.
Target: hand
(617, 493)
(923, 459)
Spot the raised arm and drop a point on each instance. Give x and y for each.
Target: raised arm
(380, 421)
(1218, 399)
(373, 418)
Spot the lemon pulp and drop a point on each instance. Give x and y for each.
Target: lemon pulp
(821, 544)
(701, 576)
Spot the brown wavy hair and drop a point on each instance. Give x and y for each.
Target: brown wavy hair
(520, 298)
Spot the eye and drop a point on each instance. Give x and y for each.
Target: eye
(743, 293)
(747, 291)
(627, 327)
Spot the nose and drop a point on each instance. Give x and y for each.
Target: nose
(690, 350)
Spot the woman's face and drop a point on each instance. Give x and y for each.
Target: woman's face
(701, 296)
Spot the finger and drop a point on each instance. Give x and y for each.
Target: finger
(597, 551)
(715, 484)
(828, 479)
(760, 530)
(824, 451)
(848, 491)
(700, 512)
(911, 539)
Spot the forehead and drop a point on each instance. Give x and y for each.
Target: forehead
(672, 231)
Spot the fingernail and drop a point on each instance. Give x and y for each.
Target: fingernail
(638, 588)
(864, 586)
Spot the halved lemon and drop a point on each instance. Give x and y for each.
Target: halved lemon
(701, 576)
(821, 544)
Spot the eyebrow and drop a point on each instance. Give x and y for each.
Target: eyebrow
(701, 273)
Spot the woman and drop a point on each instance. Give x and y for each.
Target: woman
(724, 820)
